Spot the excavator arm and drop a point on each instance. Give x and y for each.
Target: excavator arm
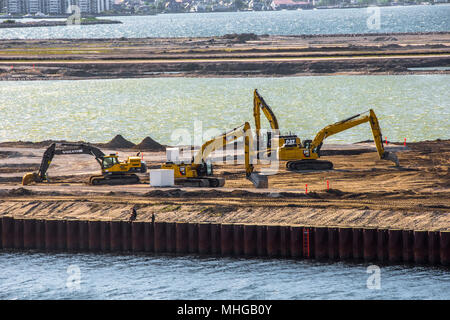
(351, 122)
(258, 105)
(226, 138)
(61, 149)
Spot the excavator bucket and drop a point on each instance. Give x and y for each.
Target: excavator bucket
(391, 156)
(258, 180)
(29, 178)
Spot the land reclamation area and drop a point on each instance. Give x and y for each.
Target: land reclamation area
(230, 55)
(363, 190)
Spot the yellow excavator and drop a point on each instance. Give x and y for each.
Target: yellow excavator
(304, 156)
(199, 172)
(113, 171)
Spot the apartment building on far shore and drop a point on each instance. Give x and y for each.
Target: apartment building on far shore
(55, 7)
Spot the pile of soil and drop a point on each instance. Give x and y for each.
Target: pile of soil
(148, 144)
(119, 142)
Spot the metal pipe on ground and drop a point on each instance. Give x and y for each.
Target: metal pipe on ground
(226, 239)
(370, 244)
(171, 237)
(204, 238)
(94, 243)
(249, 240)
(321, 243)
(345, 236)
(333, 243)
(273, 241)
(407, 246)
(160, 237)
(295, 242)
(395, 246)
(181, 230)
(137, 236)
(420, 247)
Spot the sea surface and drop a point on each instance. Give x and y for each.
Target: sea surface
(327, 21)
(106, 276)
(411, 107)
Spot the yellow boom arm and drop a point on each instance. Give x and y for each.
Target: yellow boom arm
(258, 105)
(351, 122)
(218, 142)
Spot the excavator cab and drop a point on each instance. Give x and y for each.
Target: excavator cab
(109, 161)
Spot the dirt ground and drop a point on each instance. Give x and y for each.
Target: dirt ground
(231, 55)
(364, 191)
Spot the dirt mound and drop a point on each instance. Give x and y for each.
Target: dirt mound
(148, 144)
(241, 37)
(20, 192)
(119, 142)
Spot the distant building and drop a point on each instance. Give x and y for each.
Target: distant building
(291, 5)
(56, 7)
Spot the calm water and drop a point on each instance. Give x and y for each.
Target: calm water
(392, 19)
(414, 107)
(46, 276)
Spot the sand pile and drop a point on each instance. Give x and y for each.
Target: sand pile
(148, 144)
(118, 142)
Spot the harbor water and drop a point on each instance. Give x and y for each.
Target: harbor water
(34, 275)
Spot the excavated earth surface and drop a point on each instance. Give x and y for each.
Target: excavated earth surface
(364, 191)
(231, 55)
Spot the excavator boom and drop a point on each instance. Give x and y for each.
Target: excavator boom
(350, 123)
(259, 181)
(197, 171)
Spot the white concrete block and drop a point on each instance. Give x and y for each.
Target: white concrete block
(162, 178)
